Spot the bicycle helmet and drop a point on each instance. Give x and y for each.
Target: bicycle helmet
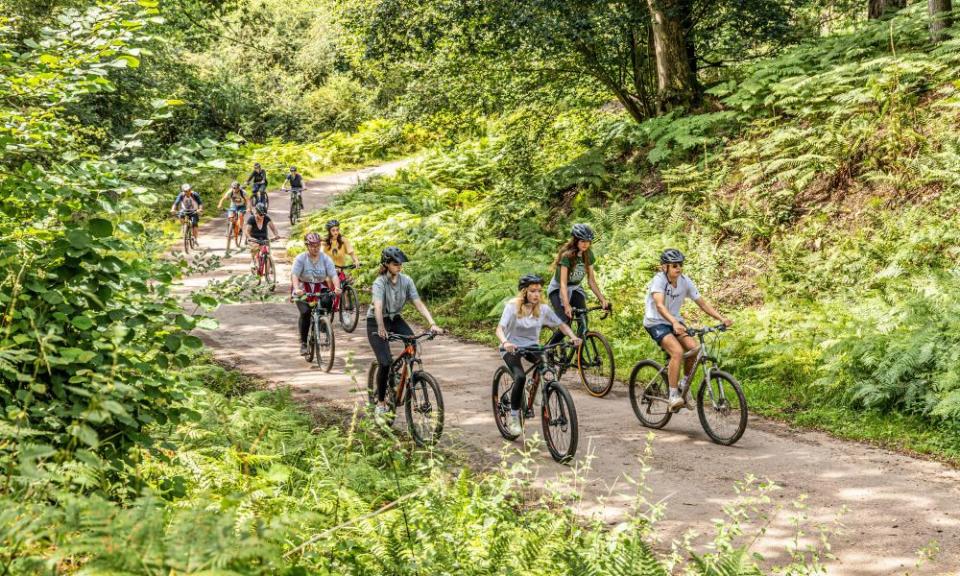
(671, 256)
(256, 164)
(261, 208)
(582, 232)
(185, 188)
(234, 184)
(528, 279)
(312, 238)
(393, 254)
(293, 168)
(332, 224)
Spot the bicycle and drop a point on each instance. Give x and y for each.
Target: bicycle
(348, 306)
(186, 226)
(409, 384)
(720, 397)
(321, 346)
(593, 358)
(296, 204)
(234, 228)
(266, 270)
(558, 415)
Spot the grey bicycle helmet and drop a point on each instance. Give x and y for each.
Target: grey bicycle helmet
(393, 254)
(582, 232)
(261, 208)
(332, 224)
(528, 279)
(671, 256)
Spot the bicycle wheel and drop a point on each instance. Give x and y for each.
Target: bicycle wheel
(595, 364)
(311, 343)
(294, 211)
(559, 417)
(326, 347)
(349, 309)
(238, 232)
(502, 387)
(187, 233)
(270, 273)
(424, 408)
(722, 408)
(649, 392)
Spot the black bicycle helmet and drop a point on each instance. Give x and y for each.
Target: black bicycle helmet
(261, 208)
(582, 232)
(528, 279)
(293, 168)
(671, 256)
(393, 254)
(332, 224)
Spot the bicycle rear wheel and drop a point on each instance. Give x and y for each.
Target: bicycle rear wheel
(424, 409)
(649, 393)
(722, 408)
(326, 346)
(270, 273)
(349, 309)
(559, 418)
(595, 364)
(502, 387)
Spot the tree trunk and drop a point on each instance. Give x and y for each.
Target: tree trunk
(877, 8)
(940, 18)
(676, 85)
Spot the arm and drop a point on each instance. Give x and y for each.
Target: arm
(273, 228)
(222, 198)
(353, 255)
(378, 316)
(574, 339)
(665, 314)
(564, 297)
(249, 178)
(422, 308)
(508, 346)
(706, 307)
(295, 278)
(592, 281)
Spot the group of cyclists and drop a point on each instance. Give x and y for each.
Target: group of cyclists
(320, 269)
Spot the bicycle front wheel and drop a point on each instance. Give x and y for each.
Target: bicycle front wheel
(649, 394)
(349, 309)
(326, 347)
(294, 211)
(722, 408)
(187, 233)
(559, 417)
(502, 387)
(424, 409)
(270, 273)
(595, 364)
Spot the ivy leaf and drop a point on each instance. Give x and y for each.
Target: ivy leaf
(192, 342)
(82, 322)
(100, 228)
(172, 342)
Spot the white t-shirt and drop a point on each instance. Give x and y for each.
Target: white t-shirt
(526, 331)
(673, 297)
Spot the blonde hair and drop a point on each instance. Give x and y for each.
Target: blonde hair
(520, 300)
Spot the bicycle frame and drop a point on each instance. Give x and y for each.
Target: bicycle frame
(404, 364)
(541, 369)
(703, 358)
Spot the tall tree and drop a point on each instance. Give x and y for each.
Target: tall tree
(877, 8)
(940, 18)
(675, 54)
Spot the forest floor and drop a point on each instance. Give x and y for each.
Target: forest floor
(891, 506)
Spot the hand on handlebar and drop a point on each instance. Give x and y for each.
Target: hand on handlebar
(509, 347)
(575, 341)
(436, 329)
(382, 332)
(679, 329)
(568, 310)
(727, 322)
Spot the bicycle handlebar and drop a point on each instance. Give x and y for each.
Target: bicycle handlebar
(539, 348)
(606, 311)
(347, 267)
(706, 330)
(394, 337)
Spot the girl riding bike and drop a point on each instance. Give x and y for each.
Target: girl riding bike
(338, 248)
(238, 206)
(520, 325)
(573, 263)
(311, 272)
(662, 320)
(257, 226)
(391, 291)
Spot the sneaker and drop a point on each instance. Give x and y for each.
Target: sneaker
(676, 402)
(303, 350)
(688, 401)
(513, 424)
(380, 412)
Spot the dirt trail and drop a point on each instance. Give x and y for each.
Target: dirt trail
(897, 504)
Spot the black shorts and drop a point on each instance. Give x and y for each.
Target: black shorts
(660, 331)
(193, 216)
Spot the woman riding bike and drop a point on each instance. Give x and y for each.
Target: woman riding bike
(312, 270)
(520, 325)
(662, 320)
(391, 291)
(237, 209)
(573, 263)
(259, 179)
(338, 248)
(257, 226)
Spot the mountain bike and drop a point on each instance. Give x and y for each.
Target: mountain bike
(234, 228)
(186, 226)
(558, 416)
(266, 270)
(296, 204)
(721, 405)
(348, 305)
(410, 385)
(593, 359)
(321, 346)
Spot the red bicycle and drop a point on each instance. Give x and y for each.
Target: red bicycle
(347, 306)
(266, 269)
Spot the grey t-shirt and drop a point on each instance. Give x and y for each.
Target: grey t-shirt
(526, 331)
(309, 271)
(393, 296)
(673, 297)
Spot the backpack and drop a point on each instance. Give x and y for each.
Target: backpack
(188, 203)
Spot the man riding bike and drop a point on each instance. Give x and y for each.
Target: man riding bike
(238, 206)
(662, 320)
(189, 204)
(296, 183)
(391, 291)
(311, 272)
(520, 325)
(257, 226)
(573, 263)
(259, 179)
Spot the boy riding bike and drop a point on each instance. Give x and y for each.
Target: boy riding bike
(259, 179)
(238, 206)
(189, 205)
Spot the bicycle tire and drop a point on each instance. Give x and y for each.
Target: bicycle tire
(294, 211)
(422, 385)
(722, 409)
(558, 414)
(593, 356)
(349, 302)
(500, 394)
(270, 273)
(311, 350)
(326, 345)
(187, 232)
(648, 381)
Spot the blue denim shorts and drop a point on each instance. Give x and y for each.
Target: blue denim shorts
(659, 331)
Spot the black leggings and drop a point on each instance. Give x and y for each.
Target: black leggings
(577, 300)
(513, 363)
(381, 348)
(304, 321)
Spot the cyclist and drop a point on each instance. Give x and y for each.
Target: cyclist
(238, 206)
(189, 205)
(573, 263)
(391, 291)
(257, 225)
(519, 326)
(311, 272)
(296, 183)
(662, 320)
(338, 248)
(259, 179)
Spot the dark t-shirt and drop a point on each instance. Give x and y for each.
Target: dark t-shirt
(295, 180)
(258, 177)
(259, 233)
